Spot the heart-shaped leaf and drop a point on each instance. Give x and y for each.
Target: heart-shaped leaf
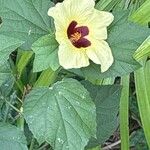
(23, 22)
(106, 99)
(63, 115)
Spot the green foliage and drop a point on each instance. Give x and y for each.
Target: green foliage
(46, 78)
(95, 148)
(23, 61)
(11, 138)
(142, 15)
(134, 108)
(143, 97)
(107, 5)
(5, 90)
(45, 49)
(7, 45)
(5, 73)
(107, 120)
(63, 117)
(26, 20)
(143, 51)
(138, 140)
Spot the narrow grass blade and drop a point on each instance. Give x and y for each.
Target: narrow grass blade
(143, 50)
(142, 15)
(46, 78)
(107, 5)
(142, 82)
(147, 79)
(23, 61)
(124, 114)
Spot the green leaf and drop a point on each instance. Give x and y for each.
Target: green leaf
(46, 78)
(107, 5)
(7, 45)
(62, 115)
(23, 61)
(5, 93)
(120, 17)
(134, 108)
(95, 148)
(124, 38)
(7, 86)
(5, 73)
(138, 141)
(143, 50)
(11, 138)
(45, 49)
(142, 15)
(142, 82)
(26, 20)
(106, 99)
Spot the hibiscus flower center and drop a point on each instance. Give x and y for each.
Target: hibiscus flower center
(77, 35)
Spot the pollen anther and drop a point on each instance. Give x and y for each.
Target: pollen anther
(78, 35)
(75, 37)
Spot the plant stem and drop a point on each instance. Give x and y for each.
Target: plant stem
(17, 110)
(20, 121)
(111, 145)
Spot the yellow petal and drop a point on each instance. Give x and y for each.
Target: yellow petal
(101, 18)
(98, 33)
(98, 23)
(100, 53)
(78, 10)
(71, 57)
(59, 13)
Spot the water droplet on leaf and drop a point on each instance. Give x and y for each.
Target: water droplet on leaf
(60, 140)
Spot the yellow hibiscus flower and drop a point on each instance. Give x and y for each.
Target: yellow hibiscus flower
(81, 31)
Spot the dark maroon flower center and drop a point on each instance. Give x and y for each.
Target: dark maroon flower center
(77, 35)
